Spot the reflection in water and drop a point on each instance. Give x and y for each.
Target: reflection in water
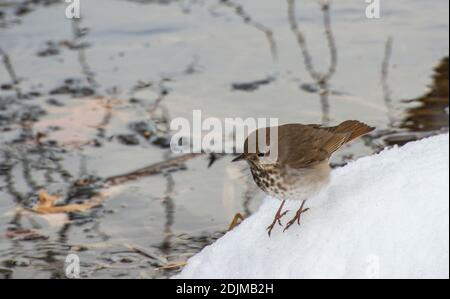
(169, 211)
(26, 171)
(23, 163)
(321, 79)
(164, 124)
(38, 247)
(428, 117)
(431, 114)
(384, 80)
(8, 166)
(77, 44)
(159, 115)
(11, 72)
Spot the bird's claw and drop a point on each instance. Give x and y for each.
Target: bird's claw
(296, 217)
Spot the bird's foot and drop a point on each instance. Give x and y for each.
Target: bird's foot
(277, 218)
(297, 216)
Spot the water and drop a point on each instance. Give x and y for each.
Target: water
(83, 112)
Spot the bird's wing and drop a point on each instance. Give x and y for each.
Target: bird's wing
(303, 146)
(354, 128)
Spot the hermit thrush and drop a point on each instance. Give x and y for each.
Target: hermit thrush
(301, 168)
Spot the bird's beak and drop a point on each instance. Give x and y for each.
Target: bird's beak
(239, 158)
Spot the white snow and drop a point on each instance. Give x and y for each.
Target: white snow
(383, 216)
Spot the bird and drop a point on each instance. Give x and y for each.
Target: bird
(301, 167)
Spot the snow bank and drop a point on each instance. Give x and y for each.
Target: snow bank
(384, 216)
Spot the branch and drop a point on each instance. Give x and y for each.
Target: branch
(239, 9)
(317, 76)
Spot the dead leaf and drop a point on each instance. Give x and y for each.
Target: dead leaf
(47, 205)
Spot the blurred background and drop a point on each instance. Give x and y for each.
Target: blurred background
(85, 108)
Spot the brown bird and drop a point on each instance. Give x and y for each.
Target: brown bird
(301, 167)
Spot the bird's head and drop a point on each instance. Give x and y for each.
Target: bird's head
(252, 153)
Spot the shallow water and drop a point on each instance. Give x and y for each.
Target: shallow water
(81, 113)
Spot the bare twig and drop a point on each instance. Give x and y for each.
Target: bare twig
(317, 76)
(78, 34)
(321, 79)
(239, 9)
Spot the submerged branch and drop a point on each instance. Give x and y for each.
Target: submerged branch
(150, 170)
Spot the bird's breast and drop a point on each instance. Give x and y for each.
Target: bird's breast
(288, 183)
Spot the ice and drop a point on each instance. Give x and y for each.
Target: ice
(382, 216)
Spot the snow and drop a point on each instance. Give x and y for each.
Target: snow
(383, 216)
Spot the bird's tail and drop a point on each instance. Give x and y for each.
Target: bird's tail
(353, 128)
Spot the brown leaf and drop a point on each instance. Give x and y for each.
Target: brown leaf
(46, 205)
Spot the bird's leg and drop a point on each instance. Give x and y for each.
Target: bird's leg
(277, 218)
(297, 216)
